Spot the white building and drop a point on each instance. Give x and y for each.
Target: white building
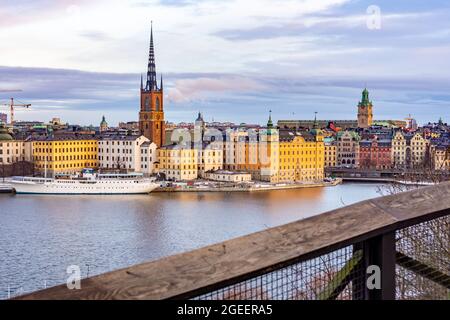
(228, 176)
(149, 156)
(125, 152)
(12, 151)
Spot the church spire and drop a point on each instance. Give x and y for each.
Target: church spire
(315, 120)
(151, 84)
(161, 83)
(270, 123)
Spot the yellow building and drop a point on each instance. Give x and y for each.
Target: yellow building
(64, 154)
(210, 157)
(178, 162)
(330, 153)
(253, 151)
(301, 156)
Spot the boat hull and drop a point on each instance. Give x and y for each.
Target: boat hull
(84, 188)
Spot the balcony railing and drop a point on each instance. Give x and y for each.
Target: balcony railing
(334, 255)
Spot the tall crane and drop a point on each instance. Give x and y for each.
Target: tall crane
(13, 105)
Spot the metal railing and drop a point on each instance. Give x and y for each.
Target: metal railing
(394, 247)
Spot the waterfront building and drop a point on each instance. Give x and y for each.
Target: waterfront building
(375, 153)
(365, 111)
(149, 156)
(103, 125)
(124, 152)
(228, 176)
(178, 162)
(330, 156)
(253, 150)
(409, 150)
(400, 156)
(210, 157)
(12, 151)
(418, 150)
(151, 115)
(64, 154)
(302, 156)
(348, 149)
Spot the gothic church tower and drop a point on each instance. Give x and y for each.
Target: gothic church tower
(151, 115)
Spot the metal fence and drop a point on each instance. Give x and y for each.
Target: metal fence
(421, 271)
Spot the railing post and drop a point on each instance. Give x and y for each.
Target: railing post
(380, 251)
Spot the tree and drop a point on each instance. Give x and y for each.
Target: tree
(428, 242)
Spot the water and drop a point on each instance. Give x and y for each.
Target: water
(40, 236)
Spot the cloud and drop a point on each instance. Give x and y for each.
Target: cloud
(185, 90)
(82, 97)
(95, 35)
(235, 59)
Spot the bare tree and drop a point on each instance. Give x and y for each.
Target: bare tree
(428, 243)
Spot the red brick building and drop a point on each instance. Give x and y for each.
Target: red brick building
(375, 154)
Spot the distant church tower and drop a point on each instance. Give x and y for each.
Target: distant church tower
(103, 125)
(365, 114)
(151, 115)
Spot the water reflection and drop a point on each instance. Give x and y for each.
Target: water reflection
(41, 235)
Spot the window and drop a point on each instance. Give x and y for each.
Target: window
(158, 106)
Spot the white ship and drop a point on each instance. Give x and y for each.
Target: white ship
(87, 183)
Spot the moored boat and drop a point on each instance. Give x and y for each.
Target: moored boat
(87, 183)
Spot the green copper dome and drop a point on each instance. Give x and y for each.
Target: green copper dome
(4, 135)
(365, 97)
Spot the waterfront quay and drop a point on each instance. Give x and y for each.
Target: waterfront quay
(210, 186)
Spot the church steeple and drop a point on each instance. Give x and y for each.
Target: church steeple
(152, 84)
(151, 115)
(315, 120)
(270, 123)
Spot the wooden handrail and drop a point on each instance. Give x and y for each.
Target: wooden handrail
(198, 271)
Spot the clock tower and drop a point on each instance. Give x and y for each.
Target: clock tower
(365, 114)
(151, 115)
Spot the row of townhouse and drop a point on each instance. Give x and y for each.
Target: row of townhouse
(267, 154)
(70, 153)
(380, 151)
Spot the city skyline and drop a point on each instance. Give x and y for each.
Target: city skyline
(319, 57)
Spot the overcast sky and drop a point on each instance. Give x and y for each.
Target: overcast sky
(234, 60)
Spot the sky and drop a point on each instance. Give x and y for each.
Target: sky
(233, 60)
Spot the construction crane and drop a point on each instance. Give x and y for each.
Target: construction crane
(13, 105)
